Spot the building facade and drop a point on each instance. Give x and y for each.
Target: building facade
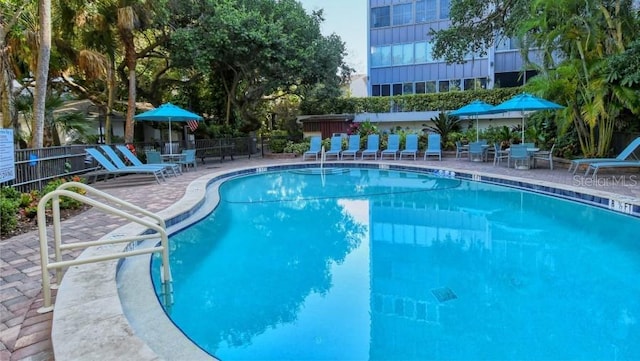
(400, 53)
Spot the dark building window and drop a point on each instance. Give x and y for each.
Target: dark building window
(420, 87)
(397, 89)
(386, 90)
(380, 17)
(375, 90)
(443, 86)
(512, 79)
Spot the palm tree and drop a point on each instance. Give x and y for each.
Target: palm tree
(444, 125)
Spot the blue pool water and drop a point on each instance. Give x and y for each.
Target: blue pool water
(384, 265)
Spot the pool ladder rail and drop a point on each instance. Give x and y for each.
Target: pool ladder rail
(125, 210)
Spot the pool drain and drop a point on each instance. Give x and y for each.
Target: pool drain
(443, 294)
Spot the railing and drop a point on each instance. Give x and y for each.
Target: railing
(133, 213)
(34, 168)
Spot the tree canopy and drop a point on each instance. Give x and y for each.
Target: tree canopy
(222, 58)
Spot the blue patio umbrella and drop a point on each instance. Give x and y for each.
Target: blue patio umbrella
(170, 113)
(525, 102)
(476, 107)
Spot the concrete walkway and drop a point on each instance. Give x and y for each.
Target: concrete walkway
(25, 334)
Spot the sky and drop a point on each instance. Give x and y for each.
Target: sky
(348, 19)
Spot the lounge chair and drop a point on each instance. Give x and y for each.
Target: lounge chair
(411, 146)
(353, 148)
(373, 145)
(393, 146)
(175, 168)
(314, 149)
(433, 146)
(615, 164)
(119, 163)
(110, 169)
(626, 152)
(336, 148)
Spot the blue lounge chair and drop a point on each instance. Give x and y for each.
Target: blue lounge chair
(353, 148)
(115, 159)
(626, 152)
(314, 149)
(110, 169)
(615, 164)
(175, 168)
(373, 145)
(393, 146)
(433, 146)
(411, 146)
(336, 148)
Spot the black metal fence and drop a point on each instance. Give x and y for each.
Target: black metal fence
(34, 168)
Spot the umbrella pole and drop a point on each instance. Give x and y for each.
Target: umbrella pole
(523, 116)
(477, 130)
(170, 142)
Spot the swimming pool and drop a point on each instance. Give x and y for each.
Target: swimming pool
(396, 265)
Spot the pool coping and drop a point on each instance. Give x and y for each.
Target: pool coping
(89, 320)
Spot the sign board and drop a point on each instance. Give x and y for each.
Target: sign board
(7, 158)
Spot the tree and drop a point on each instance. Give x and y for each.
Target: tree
(257, 48)
(42, 72)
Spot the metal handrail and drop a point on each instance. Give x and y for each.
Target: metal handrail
(152, 221)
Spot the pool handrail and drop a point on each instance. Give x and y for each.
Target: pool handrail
(155, 223)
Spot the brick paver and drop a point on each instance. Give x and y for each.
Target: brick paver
(25, 334)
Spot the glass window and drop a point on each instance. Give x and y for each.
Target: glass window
(397, 89)
(380, 56)
(430, 86)
(402, 14)
(402, 54)
(454, 85)
(420, 87)
(380, 17)
(508, 44)
(386, 90)
(423, 52)
(444, 9)
(407, 88)
(407, 54)
(375, 90)
(426, 10)
(443, 86)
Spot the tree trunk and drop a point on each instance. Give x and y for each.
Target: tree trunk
(130, 56)
(44, 54)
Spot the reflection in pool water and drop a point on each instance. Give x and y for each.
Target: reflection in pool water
(374, 264)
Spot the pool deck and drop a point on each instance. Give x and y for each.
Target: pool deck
(26, 335)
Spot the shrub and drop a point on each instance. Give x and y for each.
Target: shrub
(9, 204)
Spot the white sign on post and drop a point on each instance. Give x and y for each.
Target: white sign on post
(7, 158)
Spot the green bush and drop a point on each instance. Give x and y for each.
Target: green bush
(9, 205)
